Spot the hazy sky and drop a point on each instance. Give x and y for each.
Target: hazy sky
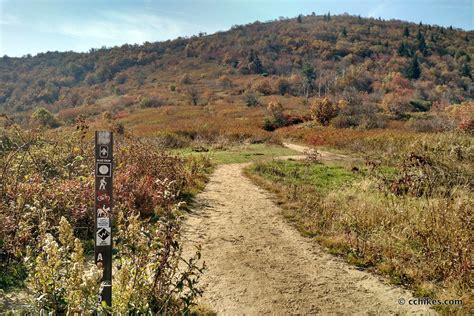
(32, 26)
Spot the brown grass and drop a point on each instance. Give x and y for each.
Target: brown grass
(422, 242)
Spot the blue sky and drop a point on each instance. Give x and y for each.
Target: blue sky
(32, 26)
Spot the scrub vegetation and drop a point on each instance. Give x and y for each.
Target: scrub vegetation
(405, 213)
(396, 96)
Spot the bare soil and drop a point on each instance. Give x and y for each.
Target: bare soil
(257, 263)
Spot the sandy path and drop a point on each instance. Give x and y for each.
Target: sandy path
(258, 264)
(323, 155)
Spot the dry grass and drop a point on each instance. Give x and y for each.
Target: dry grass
(424, 242)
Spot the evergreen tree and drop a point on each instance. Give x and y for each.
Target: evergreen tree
(299, 19)
(421, 44)
(309, 74)
(465, 70)
(406, 32)
(255, 65)
(404, 49)
(414, 71)
(344, 31)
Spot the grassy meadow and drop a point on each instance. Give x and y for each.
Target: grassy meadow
(406, 215)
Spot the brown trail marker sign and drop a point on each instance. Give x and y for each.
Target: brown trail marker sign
(103, 210)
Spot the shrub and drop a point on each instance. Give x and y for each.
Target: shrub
(146, 275)
(44, 118)
(467, 126)
(419, 174)
(276, 119)
(153, 102)
(185, 79)
(372, 121)
(56, 192)
(398, 103)
(171, 140)
(276, 110)
(264, 86)
(430, 124)
(270, 124)
(251, 99)
(323, 111)
(193, 94)
(225, 82)
(344, 121)
(59, 276)
(121, 78)
(420, 105)
(283, 86)
(69, 115)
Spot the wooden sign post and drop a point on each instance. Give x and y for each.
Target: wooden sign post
(103, 211)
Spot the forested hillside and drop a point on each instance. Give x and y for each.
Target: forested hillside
(373, 65)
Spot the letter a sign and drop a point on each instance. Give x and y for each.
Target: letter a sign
(103, 211)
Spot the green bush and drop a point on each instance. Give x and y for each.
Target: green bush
(12, 275)
(150, 103)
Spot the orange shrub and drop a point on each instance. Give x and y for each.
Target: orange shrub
(69, 115)
(323, 111)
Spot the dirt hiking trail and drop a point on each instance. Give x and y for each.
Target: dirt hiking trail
(257, 263)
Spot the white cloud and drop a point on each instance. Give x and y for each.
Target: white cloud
(117, 27)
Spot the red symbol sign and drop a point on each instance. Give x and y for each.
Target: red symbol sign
(103, 197)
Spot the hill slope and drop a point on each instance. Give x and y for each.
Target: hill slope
(367, 61)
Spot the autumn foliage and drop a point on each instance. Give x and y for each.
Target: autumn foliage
(323, 110)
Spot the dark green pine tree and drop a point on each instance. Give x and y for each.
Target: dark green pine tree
(404, 49)
(419, 35)
(299, 19)
(406, 32)
(344, 31)
(422, 44)
(255, 65)
(414, 71)
(309, 75)
(465, 70)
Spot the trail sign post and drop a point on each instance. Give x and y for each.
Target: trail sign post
(103, 211)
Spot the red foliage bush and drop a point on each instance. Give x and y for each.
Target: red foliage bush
(69, 114)
(150, 179)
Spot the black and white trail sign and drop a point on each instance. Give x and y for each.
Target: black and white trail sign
(103, 236)
(103, 210)
(103, 152)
